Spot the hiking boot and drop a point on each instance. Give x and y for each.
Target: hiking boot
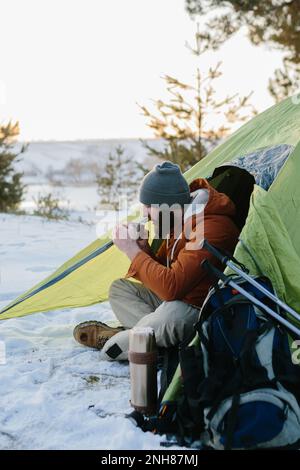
(94, 334)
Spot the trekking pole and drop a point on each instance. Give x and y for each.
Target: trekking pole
(228, 281)
(226, 260)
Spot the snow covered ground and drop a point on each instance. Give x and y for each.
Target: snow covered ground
(54, 393)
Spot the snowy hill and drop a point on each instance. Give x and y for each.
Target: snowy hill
(63, 160)
(54, 393)
(67, 170)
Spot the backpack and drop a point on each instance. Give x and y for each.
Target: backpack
(240, 388)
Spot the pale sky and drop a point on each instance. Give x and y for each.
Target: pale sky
(75, 69)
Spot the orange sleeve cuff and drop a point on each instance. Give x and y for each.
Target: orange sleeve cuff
(136, 264)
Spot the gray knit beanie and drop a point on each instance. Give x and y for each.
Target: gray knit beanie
(164, 184)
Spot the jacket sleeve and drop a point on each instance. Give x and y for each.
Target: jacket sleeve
(159, 256)
(186, 272)
(171, 283)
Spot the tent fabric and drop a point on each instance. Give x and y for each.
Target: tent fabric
(277, 125)
(275, 213)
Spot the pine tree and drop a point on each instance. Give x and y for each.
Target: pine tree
(274, 23)
(120, 178)
(285, 82)
(49, 206)
(11, 186)
(182, 122)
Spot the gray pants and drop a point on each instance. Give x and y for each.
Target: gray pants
(135, 305)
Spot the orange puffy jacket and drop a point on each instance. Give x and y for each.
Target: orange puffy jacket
(175, 272)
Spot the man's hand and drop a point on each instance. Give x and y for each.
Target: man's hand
(142, 241)
(124, 239)
(144, 245)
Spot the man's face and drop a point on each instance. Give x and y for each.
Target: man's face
(163, 219)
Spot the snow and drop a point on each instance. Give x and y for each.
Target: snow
(55, 393)
(79, 198)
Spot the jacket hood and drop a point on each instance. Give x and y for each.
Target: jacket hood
(206, 201)
(216, 203)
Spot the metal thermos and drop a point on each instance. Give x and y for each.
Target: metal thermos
(143, 370)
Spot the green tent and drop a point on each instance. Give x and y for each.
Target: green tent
(271, 232)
